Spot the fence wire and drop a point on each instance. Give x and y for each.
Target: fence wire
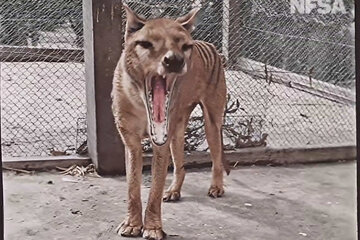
(290, 74)
(42, 77)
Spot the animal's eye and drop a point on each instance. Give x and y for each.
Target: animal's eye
(186, 47)
(145, 44)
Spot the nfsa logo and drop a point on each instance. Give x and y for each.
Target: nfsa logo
(320, 6)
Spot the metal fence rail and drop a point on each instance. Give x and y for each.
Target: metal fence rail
(290, 74)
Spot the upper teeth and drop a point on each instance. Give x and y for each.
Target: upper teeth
(166, 100)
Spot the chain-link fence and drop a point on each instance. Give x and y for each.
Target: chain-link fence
(290, 73)
(42, 77)
(289, 68)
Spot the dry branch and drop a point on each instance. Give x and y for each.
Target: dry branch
(18, 170)
(245, 140)
(79, 171)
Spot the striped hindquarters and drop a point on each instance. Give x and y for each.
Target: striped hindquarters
(210, 57)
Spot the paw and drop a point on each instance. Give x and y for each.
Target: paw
(171, 196)
(154, 234)
(126, 229)
(216, 191)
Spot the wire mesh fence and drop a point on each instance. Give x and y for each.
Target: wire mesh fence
(42, 76)
(290, 72)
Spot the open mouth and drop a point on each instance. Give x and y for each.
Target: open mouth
(158, 95)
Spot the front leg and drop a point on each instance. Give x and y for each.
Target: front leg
(152, 222)
(132, 225)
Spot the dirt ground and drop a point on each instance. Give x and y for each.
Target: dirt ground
(264, 203)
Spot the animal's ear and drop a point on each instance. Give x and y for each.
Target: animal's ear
(189, 19)
(133, 21)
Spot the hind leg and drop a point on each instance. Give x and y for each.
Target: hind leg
(177, 153)
(213, 116)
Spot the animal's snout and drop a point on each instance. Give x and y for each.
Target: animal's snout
(173, 63)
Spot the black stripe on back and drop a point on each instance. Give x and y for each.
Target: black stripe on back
(215, 65)
(212, 52)
(206, 54)
(200, 51)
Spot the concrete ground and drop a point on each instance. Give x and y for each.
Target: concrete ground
(265, 203)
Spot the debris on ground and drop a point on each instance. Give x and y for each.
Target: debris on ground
(54, 152)
(18, 170)
(79, 171)
(75, 211)
(83, 149)
(68, 179)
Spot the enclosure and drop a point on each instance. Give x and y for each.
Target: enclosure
(290, 73)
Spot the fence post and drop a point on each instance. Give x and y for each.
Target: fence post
(225, 29)
(103, 46)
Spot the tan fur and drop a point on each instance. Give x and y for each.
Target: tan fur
(201, 82)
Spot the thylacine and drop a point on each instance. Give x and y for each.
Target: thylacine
(161, 76)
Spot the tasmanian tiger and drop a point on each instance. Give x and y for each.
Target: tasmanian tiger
(161, 76)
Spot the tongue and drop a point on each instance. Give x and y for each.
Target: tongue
(159, 100)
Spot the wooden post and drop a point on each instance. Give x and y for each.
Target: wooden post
(103, 46)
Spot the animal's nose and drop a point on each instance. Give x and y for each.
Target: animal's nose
(173, 63)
